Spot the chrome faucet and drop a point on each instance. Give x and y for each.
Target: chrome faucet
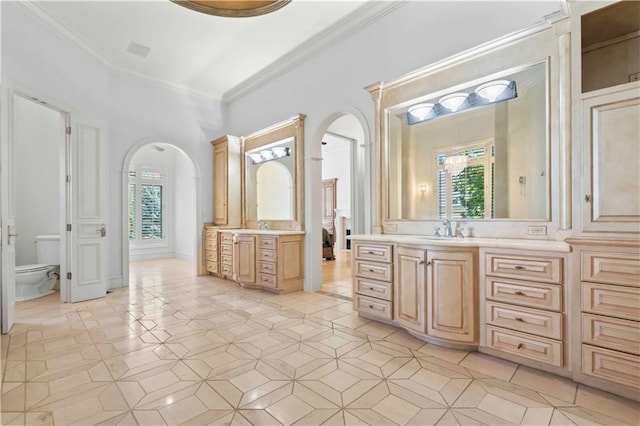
(262, 225)
(448, 232)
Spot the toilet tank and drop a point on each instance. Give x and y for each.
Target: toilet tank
(48, 249)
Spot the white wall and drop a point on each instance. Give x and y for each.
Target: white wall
(410, 37)
(184, 208)
(39, 140)
(39, 60)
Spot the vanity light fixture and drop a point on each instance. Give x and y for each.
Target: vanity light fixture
(485, 94)
(270, 154)
(455, 164)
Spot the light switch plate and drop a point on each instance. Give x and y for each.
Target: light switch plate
(537, 230)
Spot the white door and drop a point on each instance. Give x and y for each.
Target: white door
(87, 251)
(7, 215)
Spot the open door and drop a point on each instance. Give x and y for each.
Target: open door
(7, 215)
(86, 212)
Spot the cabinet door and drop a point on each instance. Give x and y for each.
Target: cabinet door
(409, 293)
(451, 296)
(244, 259)
(220, 183)
(611, 162)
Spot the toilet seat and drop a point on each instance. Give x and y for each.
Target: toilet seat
(31, 268)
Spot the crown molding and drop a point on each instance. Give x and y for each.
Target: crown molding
(340, 30)
(40, 15)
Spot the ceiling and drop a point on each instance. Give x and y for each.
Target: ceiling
(212, 56)
(203, 54)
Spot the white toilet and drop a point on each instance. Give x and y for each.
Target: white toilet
(33, 281)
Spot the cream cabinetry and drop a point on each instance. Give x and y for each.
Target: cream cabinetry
(429, 291)
(373, 279)
(226, 181)
(522, 307)
(273, 260)
(606, 315)
(452, 296)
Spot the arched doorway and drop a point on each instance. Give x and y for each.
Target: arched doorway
(161, 205)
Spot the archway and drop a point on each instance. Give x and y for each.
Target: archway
(161, 207)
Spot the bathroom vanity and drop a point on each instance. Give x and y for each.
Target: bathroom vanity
(507, 208)
(257, 238)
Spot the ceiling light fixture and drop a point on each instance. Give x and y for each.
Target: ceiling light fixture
(485, 94)
(233, 8)
(455, 164)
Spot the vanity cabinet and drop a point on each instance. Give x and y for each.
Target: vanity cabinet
(452, 296)
(211, 260)
(244, 258)
(522, 307)
(606, 316)
(226, 181)
(226, 254)
(373, 279)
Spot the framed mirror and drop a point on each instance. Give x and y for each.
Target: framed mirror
(475, 151)
(273, 176)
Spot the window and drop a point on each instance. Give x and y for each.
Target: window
(146, 207)
(464, 195)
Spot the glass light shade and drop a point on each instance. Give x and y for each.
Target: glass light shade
(455, 164)
(453, 101)
(256, 158)
(420, 111)
(267, 154)
(279, 151)
(492, 89)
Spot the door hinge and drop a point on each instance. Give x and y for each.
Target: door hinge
(68, 275)
(68, 178)
(68, 227)
(587, 198)
(68, 130)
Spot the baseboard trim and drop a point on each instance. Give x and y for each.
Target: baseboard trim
(185, 256)
(115, 282)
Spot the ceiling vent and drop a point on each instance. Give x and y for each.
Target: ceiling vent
(138, 49)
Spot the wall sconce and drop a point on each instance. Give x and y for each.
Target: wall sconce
(270, 154)
(423, 188)
(455, 164)
(485, 94)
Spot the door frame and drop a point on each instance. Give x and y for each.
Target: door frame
(10, 90)
(125, 203)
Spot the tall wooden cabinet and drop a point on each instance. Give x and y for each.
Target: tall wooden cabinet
(226, 181)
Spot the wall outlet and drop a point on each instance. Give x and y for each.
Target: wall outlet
(391, 228)
(537, 230)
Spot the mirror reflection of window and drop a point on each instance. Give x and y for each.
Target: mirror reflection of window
(274, 192)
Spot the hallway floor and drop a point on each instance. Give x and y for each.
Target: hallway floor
(336, 275)
(179, 349)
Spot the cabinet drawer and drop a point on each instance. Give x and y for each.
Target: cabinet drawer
(210, 245)
(227, 260)
(373, 288)
(375, 252)
(211, 255)
(526, 345)
(268, 255)
(226, 249)
(537, 268)
(267, 280)
(377, 307)
(210, 234)
(616, 367)
(267, 267)
(211, 267)
(226, 270)
(542, 323)
(611, 300)
(535, 295)
(267, 242)
(377, 271)
(611, 268)
(226, 238)
(612, 333)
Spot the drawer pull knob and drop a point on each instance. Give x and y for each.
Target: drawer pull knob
(519, 293)
(520, 345)
(519, 319)
(371, 306)
(519, 267)
(372, 288)
(375, 271)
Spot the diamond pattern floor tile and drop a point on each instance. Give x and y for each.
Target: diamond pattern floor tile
(179, 349)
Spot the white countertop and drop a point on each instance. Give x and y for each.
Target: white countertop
(262, 231)
(426, 240)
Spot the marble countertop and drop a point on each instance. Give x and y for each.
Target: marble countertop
(426, 240)
(262, 231)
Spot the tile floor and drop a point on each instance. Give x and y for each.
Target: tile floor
(180, 349)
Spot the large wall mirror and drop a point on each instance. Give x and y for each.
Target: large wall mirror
(273, 186)
(475, 151)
